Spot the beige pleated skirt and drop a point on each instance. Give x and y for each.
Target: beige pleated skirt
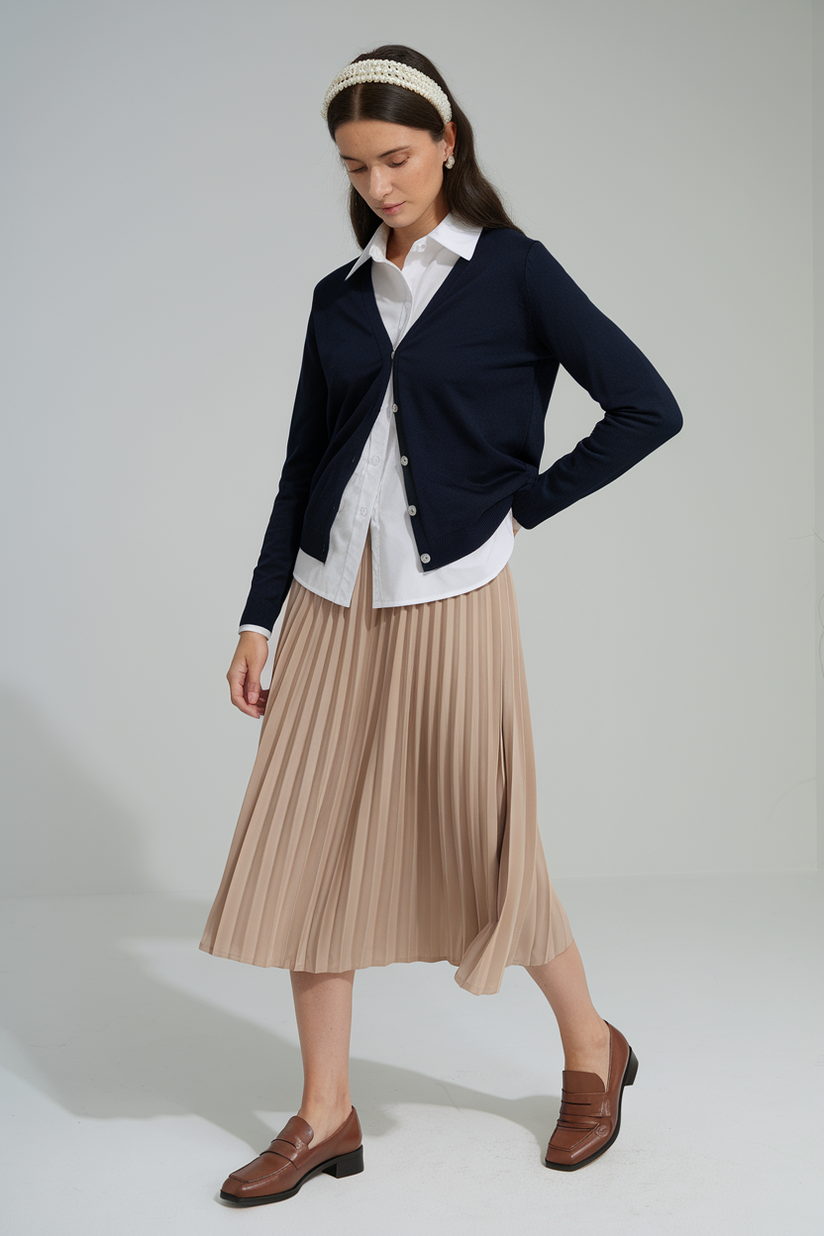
(391, 811)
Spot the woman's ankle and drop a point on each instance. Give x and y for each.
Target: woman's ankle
(585, 1039)
(589, 1053)
(325, 1115)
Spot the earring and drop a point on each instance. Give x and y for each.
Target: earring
(450, 162)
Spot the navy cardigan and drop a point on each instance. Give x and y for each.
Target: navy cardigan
(472, 381)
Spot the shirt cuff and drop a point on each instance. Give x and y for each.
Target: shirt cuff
(250, 627)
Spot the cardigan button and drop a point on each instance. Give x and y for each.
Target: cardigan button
(413, 510)
(394, 407)
(424, 557)
(404, 460)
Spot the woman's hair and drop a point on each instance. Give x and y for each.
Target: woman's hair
(468, 194)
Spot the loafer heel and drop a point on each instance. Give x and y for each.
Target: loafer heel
(632, 1068)
(347, 1165)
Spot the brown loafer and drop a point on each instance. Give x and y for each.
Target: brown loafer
(591, 1115)
(291, 1159)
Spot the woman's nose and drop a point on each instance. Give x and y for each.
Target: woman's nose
(379, 182)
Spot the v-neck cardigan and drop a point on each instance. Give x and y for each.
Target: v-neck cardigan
(472, 378)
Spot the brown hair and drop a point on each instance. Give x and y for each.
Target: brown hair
(468, 194)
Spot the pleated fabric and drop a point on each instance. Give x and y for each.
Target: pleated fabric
(391, 812)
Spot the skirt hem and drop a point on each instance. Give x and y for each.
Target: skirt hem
(474, 988)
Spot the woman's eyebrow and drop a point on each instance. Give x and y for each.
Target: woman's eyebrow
(395, 150)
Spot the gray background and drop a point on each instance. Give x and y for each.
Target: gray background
(171, 198)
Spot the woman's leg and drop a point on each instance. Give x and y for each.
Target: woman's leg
(323, 1011)
(584, 1035)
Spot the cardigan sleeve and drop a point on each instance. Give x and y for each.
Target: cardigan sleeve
(307, 441)
(640, 412)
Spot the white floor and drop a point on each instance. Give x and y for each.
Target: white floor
(138, 1072)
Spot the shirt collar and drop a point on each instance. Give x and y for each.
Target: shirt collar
(461, 238)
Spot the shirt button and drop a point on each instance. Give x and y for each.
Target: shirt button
(363, 510)
(413, 510)
(424, 557)
(404, 460)
(376, 459)
(394, 407)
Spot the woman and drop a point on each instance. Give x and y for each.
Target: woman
(391, 813)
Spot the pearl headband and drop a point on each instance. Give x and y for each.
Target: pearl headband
(397, 74)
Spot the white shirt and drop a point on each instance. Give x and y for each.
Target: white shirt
(374, 495)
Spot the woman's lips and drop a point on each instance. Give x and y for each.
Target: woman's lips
(391, 210)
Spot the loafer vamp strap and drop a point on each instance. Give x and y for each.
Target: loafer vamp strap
(577, 1107)
(576, 1126)
(584, 1112)
(286, 1150)
(268, 1163)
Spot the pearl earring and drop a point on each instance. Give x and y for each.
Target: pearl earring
(450, 162)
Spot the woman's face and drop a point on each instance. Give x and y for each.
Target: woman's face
(397, 171)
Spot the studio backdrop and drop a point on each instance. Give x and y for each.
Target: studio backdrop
(172, 198)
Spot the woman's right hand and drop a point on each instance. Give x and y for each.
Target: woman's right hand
(244, 673)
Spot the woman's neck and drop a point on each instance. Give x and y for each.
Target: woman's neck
(401, 239)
